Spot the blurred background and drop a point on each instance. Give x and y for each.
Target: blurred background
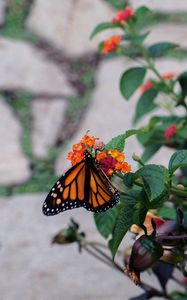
(54, 86)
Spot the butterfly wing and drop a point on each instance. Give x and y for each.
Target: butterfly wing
(102, 194)
(86, 185)
(68, 192)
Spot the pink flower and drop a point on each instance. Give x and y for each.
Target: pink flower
(123, 15)
(170, 131)
(147, 86)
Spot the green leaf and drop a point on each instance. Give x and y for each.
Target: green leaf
(104, 26)
(131, 212)
(149, 151)
(131, 80)
(123, 223)
(160, 49)
(182, 79)
(142, 15)
(135, 39)
(177, 295)
(145, 104)
(128, 179)
(182, 133)
(167, 212)
(105, 221)
(153, 177)
(117, 143)
(178, 160)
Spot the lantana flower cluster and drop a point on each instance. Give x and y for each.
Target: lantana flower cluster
(122, 16)
(111, 161)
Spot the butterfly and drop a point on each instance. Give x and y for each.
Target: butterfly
(84, 185)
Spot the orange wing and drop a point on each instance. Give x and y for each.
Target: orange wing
(103, 194)
(68, 192)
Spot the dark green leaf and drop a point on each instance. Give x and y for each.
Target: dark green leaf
(145, 104)
(182, 79)
(160, 49)
(131, 212)
(154, 180)
(131, 80)
(149, 151)
(178, 160)
(104, 26)
(105, 221)
(128, 179)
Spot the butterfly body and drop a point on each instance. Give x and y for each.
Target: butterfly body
(84, 185)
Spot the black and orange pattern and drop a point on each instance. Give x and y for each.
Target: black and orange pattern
(84, 185)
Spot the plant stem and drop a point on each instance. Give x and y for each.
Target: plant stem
(175, 191)
(103, 257)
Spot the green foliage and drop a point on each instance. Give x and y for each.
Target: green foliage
(105, 26)
(160, 49)
(145, 104)
(154, 178)
(167, 212)
(178, 160)
(119, 4)
(105, 221)
(132, 211)
(131, 80)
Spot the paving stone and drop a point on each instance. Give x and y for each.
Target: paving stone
(14, 166)
(176, 33)
(167, 5)
(32, 268)
(110, 115)
(3, 5)
(25, 67)
(48, 117)
(68, 24)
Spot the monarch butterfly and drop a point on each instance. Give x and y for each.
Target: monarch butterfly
(84, 185)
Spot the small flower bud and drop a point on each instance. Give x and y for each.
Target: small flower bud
(135, 157)
(180, 187)
(64, 236)
(145, 252)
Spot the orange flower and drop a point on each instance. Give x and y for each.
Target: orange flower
(101, 155)
(111, 161)
(111, 44)
(125, 167)
(113, 153)
(120, 157)
(88, 141)
(123, 15)
(77, 147)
